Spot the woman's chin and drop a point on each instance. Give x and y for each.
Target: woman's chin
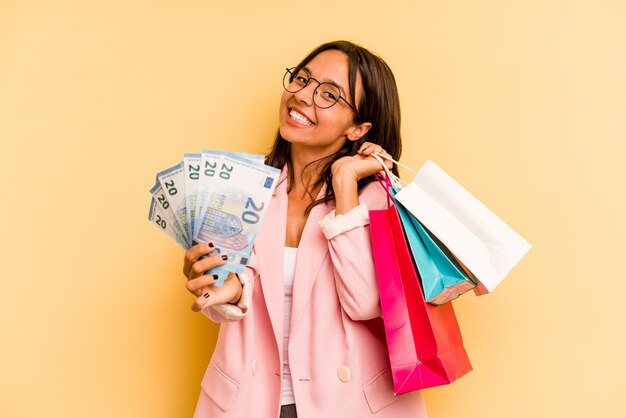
(289, 135)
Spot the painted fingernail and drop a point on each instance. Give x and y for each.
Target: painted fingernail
(206, 295)
(225, 257)
(211, 245)
(215, 277)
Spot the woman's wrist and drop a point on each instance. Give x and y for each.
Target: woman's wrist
(235, 300)
(346, 192)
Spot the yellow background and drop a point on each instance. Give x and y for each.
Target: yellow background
(523, 102)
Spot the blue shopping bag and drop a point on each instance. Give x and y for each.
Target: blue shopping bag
(443, 279)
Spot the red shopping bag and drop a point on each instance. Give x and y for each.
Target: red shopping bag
(424, 340)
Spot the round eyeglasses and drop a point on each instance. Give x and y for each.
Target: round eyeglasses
(325, 94)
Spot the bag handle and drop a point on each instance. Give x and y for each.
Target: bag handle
(386, 184)
(394, 180)
(387, 157)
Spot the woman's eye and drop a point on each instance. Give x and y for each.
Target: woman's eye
(330, 95)
(301, 80)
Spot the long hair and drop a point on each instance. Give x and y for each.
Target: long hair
(379, 104)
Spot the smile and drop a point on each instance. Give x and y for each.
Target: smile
(300, 118)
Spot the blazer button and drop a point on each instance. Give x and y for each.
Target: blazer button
(344, 373)
(253, 367)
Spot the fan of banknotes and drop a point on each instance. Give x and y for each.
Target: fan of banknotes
(214, 196)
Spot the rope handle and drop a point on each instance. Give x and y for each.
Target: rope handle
(395, 180)
(387, 157)
(386, 184)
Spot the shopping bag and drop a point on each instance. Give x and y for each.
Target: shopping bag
(443, 279)
(481, 242)
(424, 341)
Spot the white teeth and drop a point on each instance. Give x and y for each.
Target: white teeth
(299, 117)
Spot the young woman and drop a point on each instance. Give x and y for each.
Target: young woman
(302, 329)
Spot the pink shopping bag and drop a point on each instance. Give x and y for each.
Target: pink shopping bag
(424, 341)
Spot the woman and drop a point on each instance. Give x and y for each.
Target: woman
(302, 329)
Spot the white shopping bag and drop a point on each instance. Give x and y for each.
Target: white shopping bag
(480, 240)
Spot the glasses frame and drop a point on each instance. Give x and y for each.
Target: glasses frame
(288, 80)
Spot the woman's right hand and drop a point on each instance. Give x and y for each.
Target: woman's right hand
(201, 285)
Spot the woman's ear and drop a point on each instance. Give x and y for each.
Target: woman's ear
(358, 131)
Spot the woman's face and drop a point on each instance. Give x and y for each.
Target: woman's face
(308, 127)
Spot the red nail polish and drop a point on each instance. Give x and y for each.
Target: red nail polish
(225, 257)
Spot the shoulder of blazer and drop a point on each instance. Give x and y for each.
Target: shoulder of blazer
(374, 196)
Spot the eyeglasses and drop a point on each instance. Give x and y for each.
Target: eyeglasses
(325, 94)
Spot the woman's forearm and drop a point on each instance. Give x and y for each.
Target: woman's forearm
(346, 192)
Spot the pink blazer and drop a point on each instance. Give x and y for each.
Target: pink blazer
(337, 351)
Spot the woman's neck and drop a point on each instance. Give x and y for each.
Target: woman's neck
(307, 171)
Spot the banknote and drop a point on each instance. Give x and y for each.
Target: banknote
(255, 158)
(214, 196)
(235, 205)
(166, 213)
(164, 222)
(191, 168)
(208, 163)
(208, 169)
(173, 182)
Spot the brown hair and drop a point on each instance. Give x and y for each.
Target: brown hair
(379, 104)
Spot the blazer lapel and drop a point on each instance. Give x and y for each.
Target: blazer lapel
(312, 251)
(269, 248)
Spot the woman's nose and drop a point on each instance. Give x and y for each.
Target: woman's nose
(306, 94)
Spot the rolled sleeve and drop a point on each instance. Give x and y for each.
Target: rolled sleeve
(228, 312)
(333, 225)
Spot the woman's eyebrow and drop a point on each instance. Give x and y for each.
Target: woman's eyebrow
(329, 81)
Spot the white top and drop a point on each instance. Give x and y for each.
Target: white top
(290, 268)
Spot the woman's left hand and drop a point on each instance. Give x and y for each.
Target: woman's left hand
(362, 164)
